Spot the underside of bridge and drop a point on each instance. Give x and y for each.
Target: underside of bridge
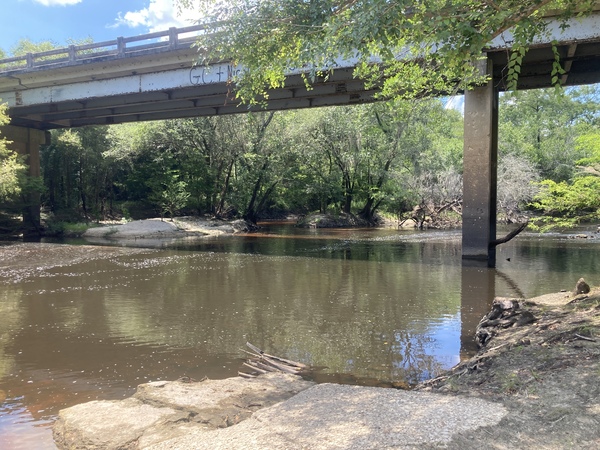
(162, 85)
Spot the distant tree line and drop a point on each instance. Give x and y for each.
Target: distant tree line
(400, 158)
(357, 160)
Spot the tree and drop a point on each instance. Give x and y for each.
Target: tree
(11, 166)
(25, 46)
(589, 144)
(517, 187)
(543, 126)
(256, 160)
(568, 204)
(78, 178)
(424, 47)
(314, 182)
(170, 195)
(340, 135)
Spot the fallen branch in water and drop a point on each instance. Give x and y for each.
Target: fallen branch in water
(262, 362)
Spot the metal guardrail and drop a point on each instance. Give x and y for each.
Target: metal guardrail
(118, 48)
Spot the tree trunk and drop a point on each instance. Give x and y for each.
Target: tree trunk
(250, 213)
(223, 195)
(367, 211)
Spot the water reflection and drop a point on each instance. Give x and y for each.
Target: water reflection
(364, 305)
(478, 289)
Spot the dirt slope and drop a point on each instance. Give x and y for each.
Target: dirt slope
(547, 373)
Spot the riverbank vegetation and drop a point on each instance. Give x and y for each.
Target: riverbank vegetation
(12, 173)
(401, 159)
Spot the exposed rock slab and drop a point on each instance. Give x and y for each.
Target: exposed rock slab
(221, 403)
(152, 229)
(108, 424)
(163, 410)
(225, 414)
(329, 416)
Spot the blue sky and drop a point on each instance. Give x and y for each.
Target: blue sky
(102, 20)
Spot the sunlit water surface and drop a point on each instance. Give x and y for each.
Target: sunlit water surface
(364, 306)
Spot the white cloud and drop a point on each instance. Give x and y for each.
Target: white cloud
(57, 2)
(158, 16)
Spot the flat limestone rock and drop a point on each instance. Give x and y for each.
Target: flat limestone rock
(165, 410)
(167, 431)
(264, 413)
(329, 416)
(221, 403)
(115, 424)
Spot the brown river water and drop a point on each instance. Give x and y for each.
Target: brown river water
(80, 322)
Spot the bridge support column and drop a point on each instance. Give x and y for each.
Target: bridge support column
(27, 141)
(480, 159)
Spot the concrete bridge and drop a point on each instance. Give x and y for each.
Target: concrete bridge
(153, 77)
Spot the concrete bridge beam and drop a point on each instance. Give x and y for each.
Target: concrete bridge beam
(480, 159)
(27, 142)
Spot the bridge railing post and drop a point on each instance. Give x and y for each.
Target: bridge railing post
(173, 38)
(30, 60)
(72, 53)
(121, 46)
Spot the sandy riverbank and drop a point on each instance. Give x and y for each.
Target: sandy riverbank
(166, 228)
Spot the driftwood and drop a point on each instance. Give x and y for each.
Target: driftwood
(510, 235)
(505, 313)
(261, 362)
(584, 338)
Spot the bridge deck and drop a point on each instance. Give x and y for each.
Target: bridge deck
(151, 77)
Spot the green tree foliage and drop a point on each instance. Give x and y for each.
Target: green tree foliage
(358, 159)
(78, 179)
(25, 46)
(555, 136)
(568, 204)
(423, 47)
(545, 127)
(397, 157)
(266, 165)
(11, 166)
(150, 174)
(589, 144)
(171, 196)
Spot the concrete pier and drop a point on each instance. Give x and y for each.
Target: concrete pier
(480, 159)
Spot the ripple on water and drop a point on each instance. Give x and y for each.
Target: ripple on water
(21, 430)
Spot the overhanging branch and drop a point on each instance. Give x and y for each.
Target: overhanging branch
(509, 236)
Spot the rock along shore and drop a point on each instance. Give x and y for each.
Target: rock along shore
(167, 228)
(272, 411)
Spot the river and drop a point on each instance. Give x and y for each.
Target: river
(368, 306)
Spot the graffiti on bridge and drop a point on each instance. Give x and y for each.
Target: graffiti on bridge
(214, 74)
